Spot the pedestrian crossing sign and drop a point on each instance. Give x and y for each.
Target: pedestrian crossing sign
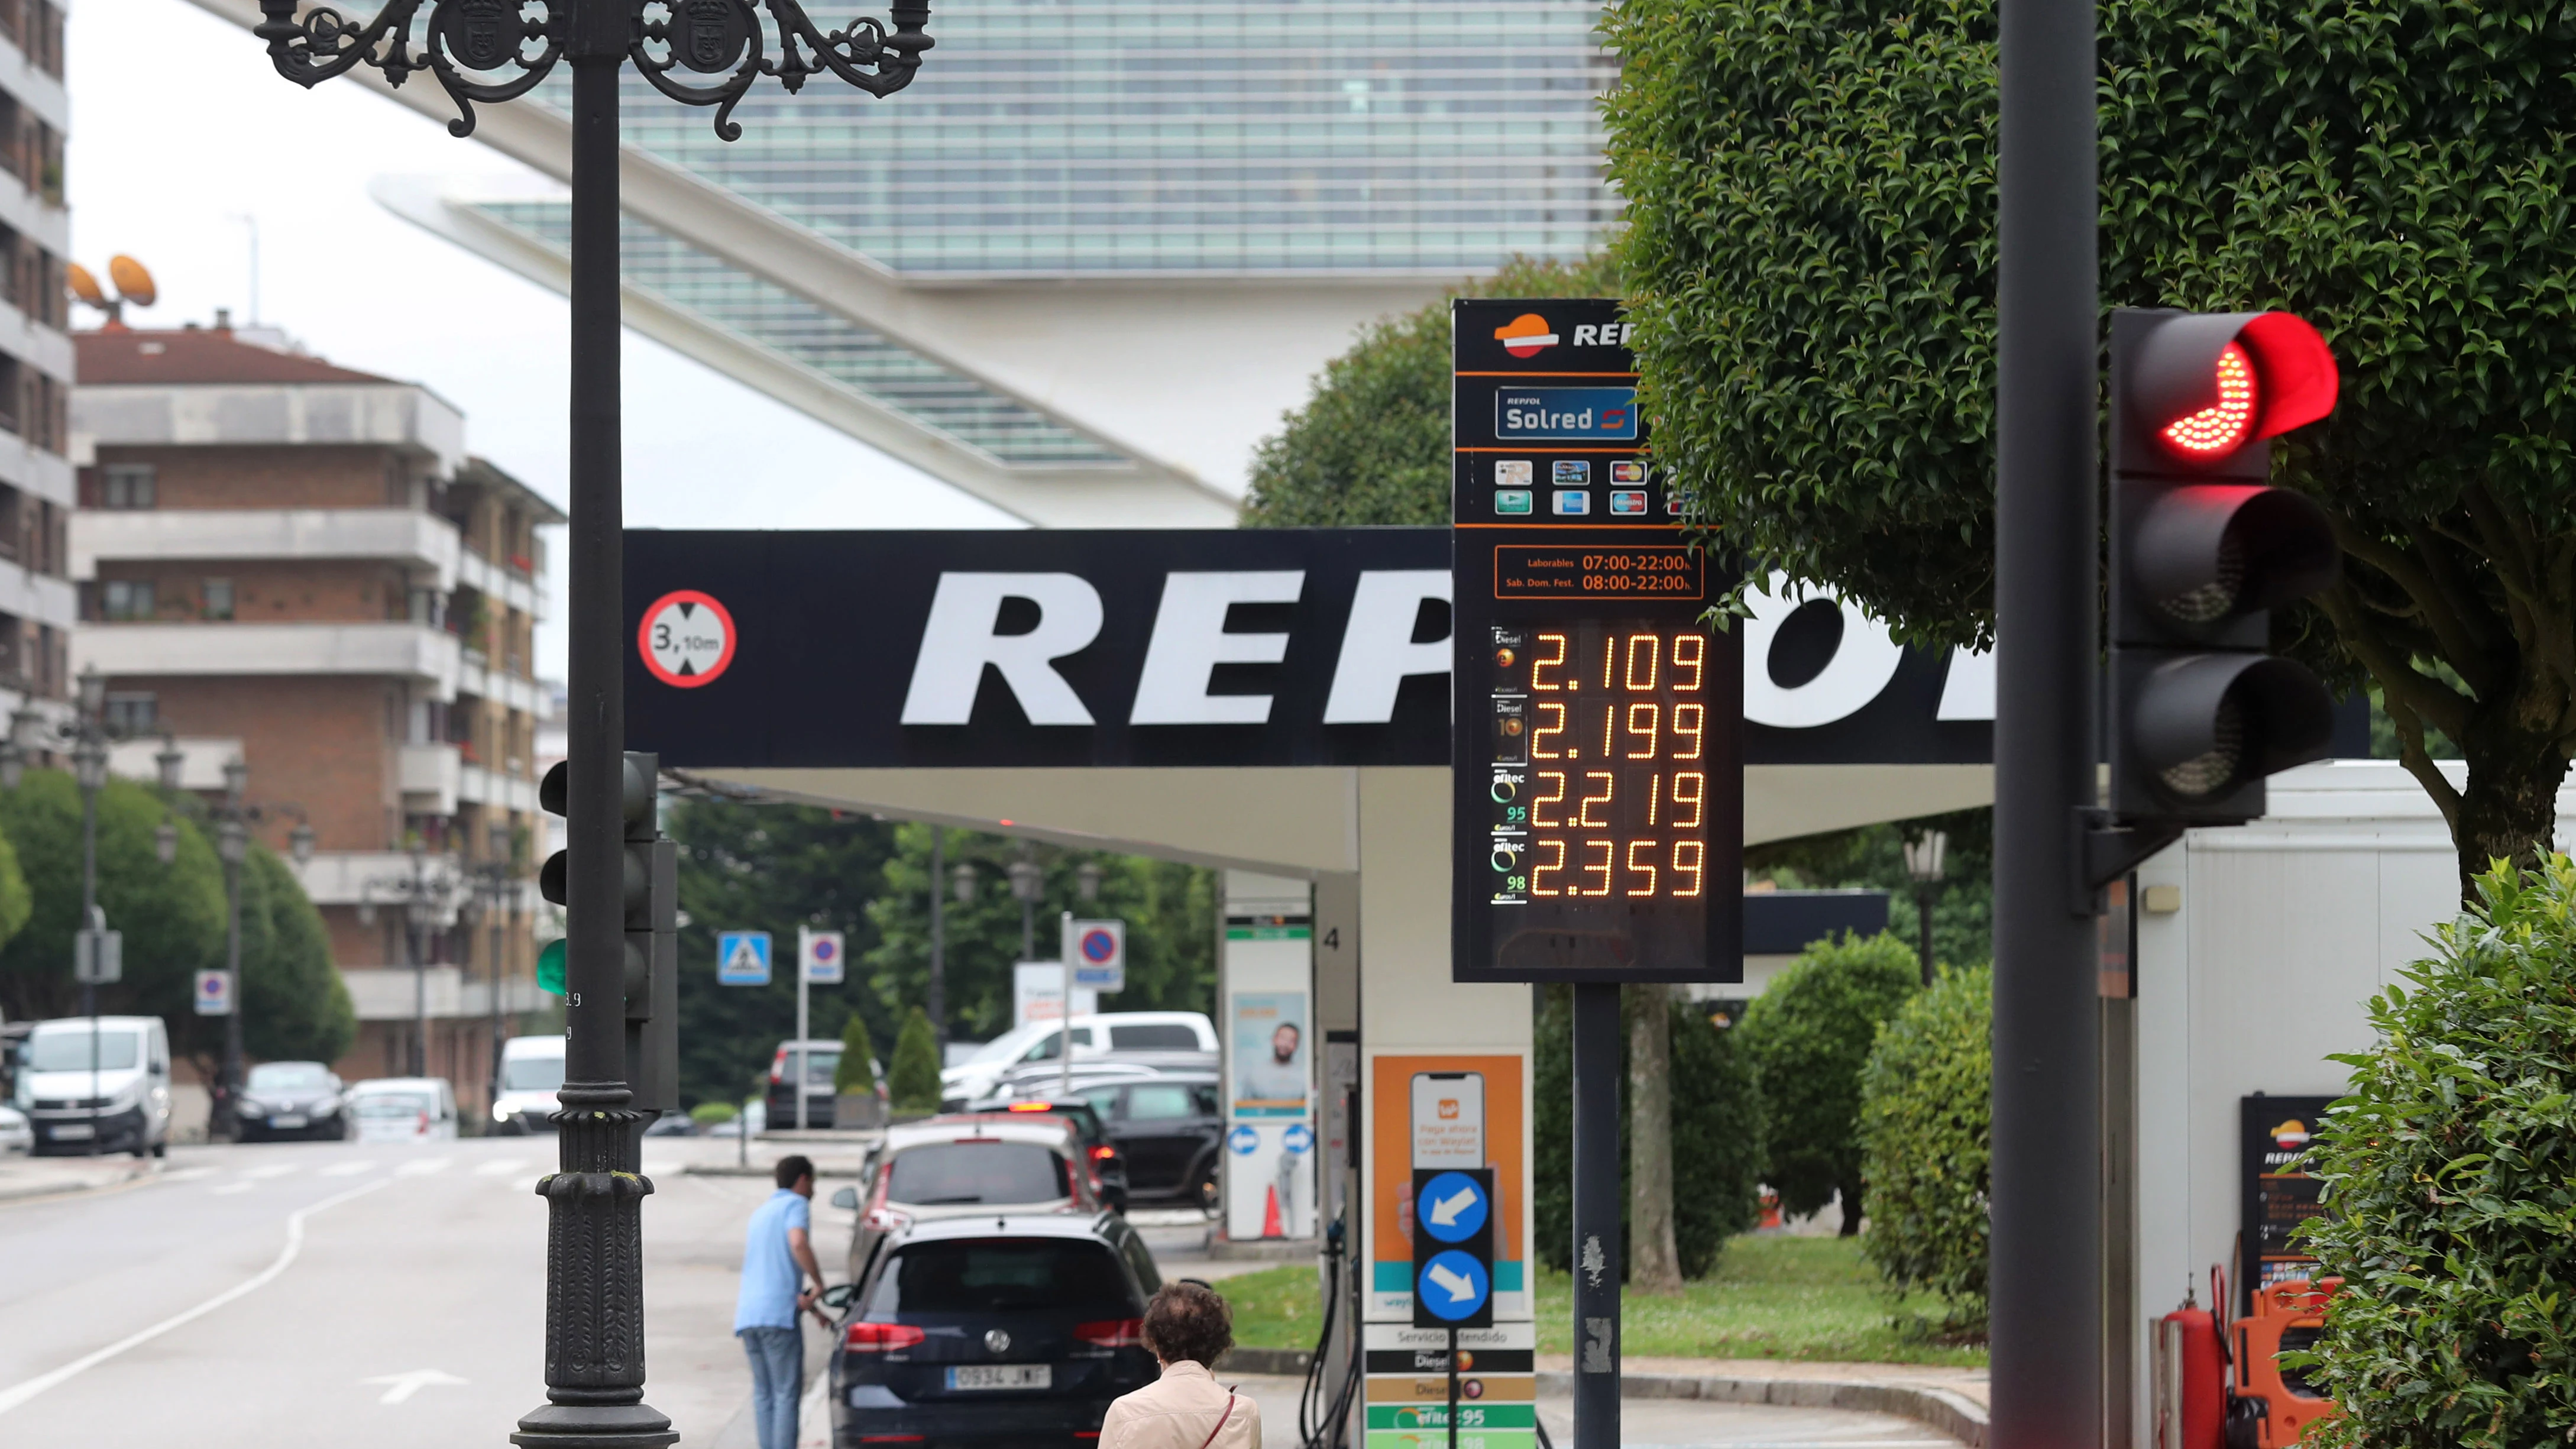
(742, 958)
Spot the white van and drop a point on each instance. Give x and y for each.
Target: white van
(107, 1091)
(1159, 1039)
(403, 1109)
(532, 1072)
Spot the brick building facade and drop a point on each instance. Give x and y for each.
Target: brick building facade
(299, 564)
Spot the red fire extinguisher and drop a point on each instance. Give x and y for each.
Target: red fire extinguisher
(2191, 1370)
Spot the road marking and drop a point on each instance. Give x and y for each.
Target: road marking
(17, 1394)
(348, 1169)
(274, 1169)
(502, 1167)
(186, 1174)
(403, 1386)
(422, 1168)
(228, 1189)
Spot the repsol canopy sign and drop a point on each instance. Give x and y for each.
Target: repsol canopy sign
(1155, 647)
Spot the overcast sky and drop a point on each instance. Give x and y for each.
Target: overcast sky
(180, 128)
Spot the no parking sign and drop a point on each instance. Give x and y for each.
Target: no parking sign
(1097, 952)
(214, 993)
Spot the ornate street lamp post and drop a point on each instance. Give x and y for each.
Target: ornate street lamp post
(699, 52)
(1923, 862)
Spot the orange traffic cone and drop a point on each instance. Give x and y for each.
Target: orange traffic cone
(1271, 1227)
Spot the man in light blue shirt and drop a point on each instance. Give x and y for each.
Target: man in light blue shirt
(773, 1296)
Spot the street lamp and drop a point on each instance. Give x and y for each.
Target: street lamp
(1086, 880)
(495, 887)
(427, 900)
(1028, 882)
(704, 53)
(1923, 862)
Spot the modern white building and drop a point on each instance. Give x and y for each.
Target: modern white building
(37, 493)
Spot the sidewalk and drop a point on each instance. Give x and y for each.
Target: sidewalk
(31, 1177)
(1952, 1400)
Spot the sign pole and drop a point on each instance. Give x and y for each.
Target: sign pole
(1064, 948)
(801, 1028)
(1453, 1388)
(1599, 1247)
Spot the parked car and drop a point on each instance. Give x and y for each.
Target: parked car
(290, 1099)
(1054, 1081)
(1173, 1039)
(949, 1166)
(672, 1124)
(754, 1116)
(403, 1109)
(532, 1072)
(1168, 1131)
(822, 1064)
(1107, 1165)
(16, 1133)
(102, 1091)
(1019, 1330)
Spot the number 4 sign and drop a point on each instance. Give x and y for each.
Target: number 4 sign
(686, 639)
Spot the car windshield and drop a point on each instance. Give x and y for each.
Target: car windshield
(1006, 1046)
(289, 1077)
(939, 1174)
(68, 1051)
(1003, 1275)
(532, 1074)
(820, 1064)
(393, 1104)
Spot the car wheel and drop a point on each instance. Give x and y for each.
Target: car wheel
(161, 1148)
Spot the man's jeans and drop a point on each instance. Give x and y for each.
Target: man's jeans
(777, 1382)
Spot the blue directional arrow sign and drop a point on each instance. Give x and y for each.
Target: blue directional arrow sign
(1452, 1207)
(1453, 1286)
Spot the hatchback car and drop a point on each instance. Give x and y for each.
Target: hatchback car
(951, 1167)
(290, 1099)
(403, 1109)
(1100, 1156)
(970, 1331)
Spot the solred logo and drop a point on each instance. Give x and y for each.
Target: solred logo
(1526, 335)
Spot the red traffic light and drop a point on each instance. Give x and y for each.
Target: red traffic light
(2206, 384)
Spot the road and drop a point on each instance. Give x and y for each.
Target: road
(308, 1293)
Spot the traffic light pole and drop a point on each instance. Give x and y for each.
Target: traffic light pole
(1600, 1249)
(2046, 1272)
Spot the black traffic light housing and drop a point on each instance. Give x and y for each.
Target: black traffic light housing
(652, 926)
(2202, 550)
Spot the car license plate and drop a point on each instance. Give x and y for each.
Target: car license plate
(1002, 1376)
(287, 1121)
(69, 1132)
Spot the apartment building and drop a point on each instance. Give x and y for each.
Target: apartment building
(38, 606)
(300, 565)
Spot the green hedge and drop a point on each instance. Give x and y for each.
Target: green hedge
(1810, 1033)
(1926, 1119)
(1717, 1135)
(2452, 1169)
(856, 1071)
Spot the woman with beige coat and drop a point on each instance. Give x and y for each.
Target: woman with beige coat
(1189, 1328)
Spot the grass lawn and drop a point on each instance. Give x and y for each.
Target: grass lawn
(1801, 1298)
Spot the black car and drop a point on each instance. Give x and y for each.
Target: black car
(1015, 1330)
(1167, 1131)
(291, 1099)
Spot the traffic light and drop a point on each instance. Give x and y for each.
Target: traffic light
(2202, 551)
(651, 893)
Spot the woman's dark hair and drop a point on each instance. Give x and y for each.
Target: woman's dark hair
(1188, 1321)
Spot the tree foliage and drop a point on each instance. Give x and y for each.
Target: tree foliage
(1371, 445)
(172, 916)
(294, 1004)
(1926, 1129)
(2451, 1168)
(1810, 1033)
(1811, 259)
(1716, 1136)
(1872, 857)
(856, 1070)
(912, 1083)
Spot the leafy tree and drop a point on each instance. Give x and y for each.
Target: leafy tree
(912, 1083)
(1873, 857)
(1371, 445)
(1170, 911)
(172, 916)
(1717, 1117)
(855, 1072)
(769, 868)
(2449, 1170)
(1810, 1032)
(294, 1005)
(1810, 257)
(1926, 1131)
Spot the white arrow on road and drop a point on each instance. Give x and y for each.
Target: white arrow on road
(403, 1386)
(1461, 1289)
(1445, 1212)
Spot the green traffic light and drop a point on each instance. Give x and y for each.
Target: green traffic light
(550, 968)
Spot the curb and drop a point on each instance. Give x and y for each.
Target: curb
(1290, 1362)
(14, 1192)
(1953, 1414)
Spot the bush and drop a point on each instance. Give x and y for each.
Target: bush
(857, 1071)
(1926, 1117)
(1717, 1135)
(1810, 1033)
(2452, 1170)
(708, 1114)
(913, 1081)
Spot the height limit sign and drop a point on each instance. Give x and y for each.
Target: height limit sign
(686, 639)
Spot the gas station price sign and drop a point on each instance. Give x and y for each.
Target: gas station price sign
(1597, 764)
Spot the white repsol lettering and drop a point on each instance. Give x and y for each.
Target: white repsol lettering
(1190, 640)
(959, 640)
(1607, 334)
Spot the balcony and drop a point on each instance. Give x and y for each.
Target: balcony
(419, 541)
(479, 786)
(411, 652)
(430, 775)
(397, 993)
(506, 584)
(356, 877)
(201, 760)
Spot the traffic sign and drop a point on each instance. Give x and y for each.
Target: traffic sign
(1242, 1141)
(214, 993)
(1097, 951)
(742, 958)
(1453, 1247)
(686, 639)
(98, 957)
(822, 956)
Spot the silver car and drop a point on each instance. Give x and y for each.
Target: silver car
(15, 1133)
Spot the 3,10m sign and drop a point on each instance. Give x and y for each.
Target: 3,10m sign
(1598, 776)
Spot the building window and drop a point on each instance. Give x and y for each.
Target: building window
(219, 598)
(128, 598)
(129, 485)
(133, 714)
